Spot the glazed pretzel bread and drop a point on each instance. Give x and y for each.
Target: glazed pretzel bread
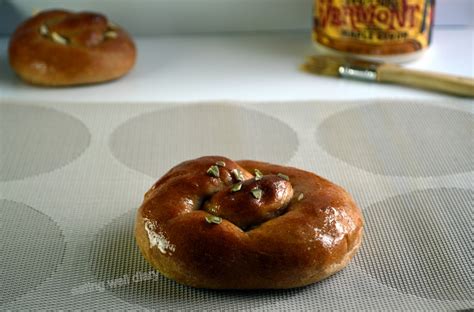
(215, 223)
(60, 48)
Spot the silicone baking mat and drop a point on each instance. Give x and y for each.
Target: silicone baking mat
(73, 175)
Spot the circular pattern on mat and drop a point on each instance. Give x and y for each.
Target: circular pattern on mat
(120, 269)
(187, 132)
(37, 140)
(400, 140)
(32, 247)
(420, 243)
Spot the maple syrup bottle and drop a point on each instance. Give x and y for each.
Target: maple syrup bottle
(379, 30)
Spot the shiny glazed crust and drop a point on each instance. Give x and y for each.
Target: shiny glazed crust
(60, 48)
(285, 239)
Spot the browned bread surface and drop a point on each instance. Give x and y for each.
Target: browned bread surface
(60, 48)
(289, 228)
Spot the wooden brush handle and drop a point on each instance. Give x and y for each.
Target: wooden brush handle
(426, 80)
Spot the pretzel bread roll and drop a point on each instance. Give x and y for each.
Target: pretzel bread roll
(61, 48)
(215, 223)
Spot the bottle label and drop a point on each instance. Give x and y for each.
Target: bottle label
(373, 27)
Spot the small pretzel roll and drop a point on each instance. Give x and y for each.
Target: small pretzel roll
(215, 223)
(61, 48)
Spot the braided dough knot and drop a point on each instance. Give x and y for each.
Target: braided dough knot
(215, 223)
(60, 48)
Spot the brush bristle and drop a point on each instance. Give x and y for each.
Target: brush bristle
(323, 65)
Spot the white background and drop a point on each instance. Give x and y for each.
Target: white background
(153, 17)
(184, 54)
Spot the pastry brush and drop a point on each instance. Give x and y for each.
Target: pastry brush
(382, 72)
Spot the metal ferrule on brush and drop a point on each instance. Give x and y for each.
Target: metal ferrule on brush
(366, 73)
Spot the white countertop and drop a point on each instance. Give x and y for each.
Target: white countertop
(244, 67)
